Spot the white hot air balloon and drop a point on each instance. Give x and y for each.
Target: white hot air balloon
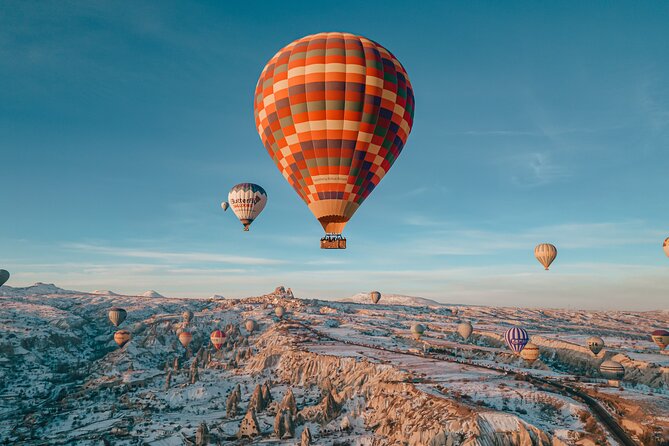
(225, 206)
(247, 200)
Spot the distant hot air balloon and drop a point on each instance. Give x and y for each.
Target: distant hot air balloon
(334, 111)
(251, 325)
(455, 311)
(545, 254)
(375, 296)
(417, 330)
(465, 330)
(185, 337)
(247, 200)
(217, 339)
(661, 338)
(225, 206)
(187, 316)
(595, 344)
(516, 338)
(122, 337)
(279, 311)
(665, 246)
(4, 276)
(530, 352)
(117, 315)
(612, 370)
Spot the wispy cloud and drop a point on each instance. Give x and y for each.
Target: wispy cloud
(536, 169)
(187, 257)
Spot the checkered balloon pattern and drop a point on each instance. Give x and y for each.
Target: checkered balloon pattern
(334, 111)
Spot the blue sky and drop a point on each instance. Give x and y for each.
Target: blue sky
(123, 126)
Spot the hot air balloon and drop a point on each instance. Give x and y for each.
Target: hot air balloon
(661, 338)
(465, 330)
(247, 200)
(4, 276)
(545, 254)
(279, 311)
(455, 311)
(225, 206)
(375, 296)
(612, 370)
(217, 339)
(595, 344)
(665, 246)
(251, 325)
(334, 111)
(117, 315)
(122, 337)
(187, 316)
(417, 330)
(185, 337)
(530, 352)
(516, 338)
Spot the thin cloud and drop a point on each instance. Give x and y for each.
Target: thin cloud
(183, 257)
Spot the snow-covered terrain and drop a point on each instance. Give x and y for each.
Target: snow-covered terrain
(327, 373)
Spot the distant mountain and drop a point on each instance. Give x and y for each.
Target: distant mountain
(217, 296)
(394, 299)
(152, 293)
(105, 292)
(39, 289)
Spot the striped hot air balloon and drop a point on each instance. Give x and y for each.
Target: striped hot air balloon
(595, 344)
(334, 111)
(530, 352)
(465, 330)
(516, 338)
(661, 338)
(545, 254)
(185, 337)
(122, 337)
(247, 201)
(217, 339)
(375, 297)
(612, 370)
(117, 315)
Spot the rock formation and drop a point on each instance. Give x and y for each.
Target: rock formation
(249, 426)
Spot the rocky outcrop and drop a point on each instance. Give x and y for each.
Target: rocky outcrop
(249, 426)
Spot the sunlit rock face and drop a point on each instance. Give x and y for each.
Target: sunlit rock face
(327, 373)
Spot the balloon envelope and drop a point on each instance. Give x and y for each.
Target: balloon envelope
(185, 338)
(279, 311)
(225, 205)
(187, 316)
(665, 246)
(122, 337)
(465, 330)
(247, 200)
(375, 296)
(4, 276)
(530, 352)
(417, 330)
(117, 315)
(334, 111)
(612, 370)
(545, 254)
(251, 326)
(661, 338)
(595, 344)
(217, 339)
(516, 338)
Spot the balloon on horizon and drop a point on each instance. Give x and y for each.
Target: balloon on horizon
(545, 254)
(334, 111)
(375, 296)
(247, 201)
(4, 276)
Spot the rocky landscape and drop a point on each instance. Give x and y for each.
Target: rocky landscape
(325, 373)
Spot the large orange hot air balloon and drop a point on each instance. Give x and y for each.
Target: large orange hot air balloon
(334, 111)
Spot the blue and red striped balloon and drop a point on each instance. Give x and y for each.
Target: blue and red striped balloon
(516, 338)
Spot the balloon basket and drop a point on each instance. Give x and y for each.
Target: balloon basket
(333, 241)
